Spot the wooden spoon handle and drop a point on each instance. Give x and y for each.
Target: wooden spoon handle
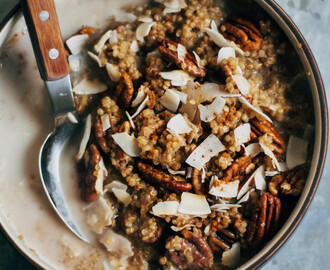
(46, 38)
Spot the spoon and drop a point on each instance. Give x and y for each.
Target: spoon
(47, 43)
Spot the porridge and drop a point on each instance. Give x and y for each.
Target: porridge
(196, 139)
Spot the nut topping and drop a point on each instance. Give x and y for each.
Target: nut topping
(288, 183)
(168, 50)
(190, 252)
(199, 187)
(264, 127)
(236, 171)
(156, 177)
(264, 220)
(100, 135)
(222, 240)
(125, 91)
(243, 33)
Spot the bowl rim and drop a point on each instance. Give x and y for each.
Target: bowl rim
(321, 95)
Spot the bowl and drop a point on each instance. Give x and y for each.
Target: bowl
(25, 215)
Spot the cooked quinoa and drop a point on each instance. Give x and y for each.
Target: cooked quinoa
(192, 135)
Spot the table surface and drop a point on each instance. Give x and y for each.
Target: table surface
(308, 247)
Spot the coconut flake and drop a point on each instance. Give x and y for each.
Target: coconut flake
(75, 62)
(115, 184)
(176, 172)
(242, 133)
(224, 189)
(177, 77)
(122, 196)
(129, 117)
(139, 97)
(87, 87)
(213, 90)
(105, 119)
(72, 118)
(167, 208)
(117, 244)
(270, 153)
(127, 143)
(193, 204)
(225, 53)
(252, 149)
(232, 256)
(189, 172)
(95, 58)
(250, 183)
(102, 167)
(76, 43)
(248, 104)
(246, 197)
(104, 38)
(170, 100)
(181, 50)
(99, 214)
(178, 229)
(178, 124)
(214, 26)
(296, 153)
(113, 72)
(198, 59)
(173, 6)
(122, 16)
(243, 84)
(211, 111)
(113, 37)
(143, 30)
(85, 138)
(209, 148)
(220, 41)
(141, 107)
(100, 179)
(271, 173)
(134, 46)
(223, 207)
(259, 179)
(183, 96)
(144, 18)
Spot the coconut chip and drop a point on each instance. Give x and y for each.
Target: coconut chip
(96, 59)
(144, 18)
(85, 138)
(122, 196)
(178, 124)
(250, 183)
(177, 77)
(209, 148)
(225, 53)
(75, 62)
(232, 256)
(296, 153)
(269, 152)
(113, 37)
(76, 43)
(87, 87)
(105, 119)
(129, 117)
(271, 173)
(248, 104)
(134, 46)
(211, 111)
(193, 204)
(167, 208)
(115, 184)
(223, 207)
(224, 189)
(176, 172)
(246, 197)
(139, 97)
(113, 72)
(104, 38)
(252, 149)
(143, 30)
(141, 107)
(242, 133)
(243, 84)
(213, 90)
(178, 229)
(214, 26)
(122, 16)
(127, 143)
(173, 6)
(181, 50)
(170, 100)
(183, 96)
(198, 60)
(259, 179)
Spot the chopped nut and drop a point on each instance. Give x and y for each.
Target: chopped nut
(125, 91)
(222, 240)
(236, 171)
(288, 183)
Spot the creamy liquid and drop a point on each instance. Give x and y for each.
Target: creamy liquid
(25, 121)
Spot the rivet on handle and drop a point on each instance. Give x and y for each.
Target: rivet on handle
(53, 53)
(44, 15)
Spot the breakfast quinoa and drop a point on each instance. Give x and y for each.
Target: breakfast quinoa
(193, 154)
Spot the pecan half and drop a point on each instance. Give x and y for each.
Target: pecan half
(259, 128)
(89, 192)
(243, 33)
(100, 135)
(125, 90)
(236, 171)
(157, 177)
(169, 50)
(264, 219)
(288, 183)
(199, 187)
(222, 240)
(86, 30)
(146, 229)
(190, 252)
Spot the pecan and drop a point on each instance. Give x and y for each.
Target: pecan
(222, 240)
(264, 219)
(125, 91)
(243, 33)
(259, 128)
(157, 177)
(189, 64)
(199, 187)
(236, 171)
(146, 229)
(89, 192)
(100, 135)
(86, 30)
(288, 183)
(194, 252)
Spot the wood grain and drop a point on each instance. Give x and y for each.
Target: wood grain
(45, 35)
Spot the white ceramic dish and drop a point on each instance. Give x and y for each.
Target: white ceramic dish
(25, 214)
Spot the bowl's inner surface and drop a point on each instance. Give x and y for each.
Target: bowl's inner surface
(26, 120)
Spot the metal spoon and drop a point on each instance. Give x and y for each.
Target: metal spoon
(44, 30)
